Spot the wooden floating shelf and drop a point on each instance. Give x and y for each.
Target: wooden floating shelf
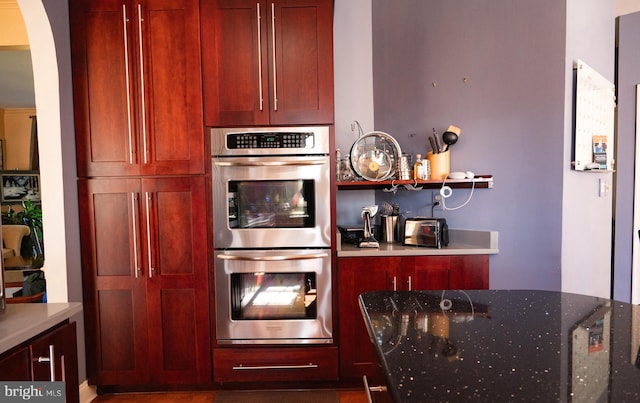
(481, 182)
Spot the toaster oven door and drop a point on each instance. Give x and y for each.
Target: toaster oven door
(422, 232)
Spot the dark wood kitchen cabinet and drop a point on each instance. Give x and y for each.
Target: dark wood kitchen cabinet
(145, 276)
(31, 361)
(267, 62)
(137, 87)
(357, 275)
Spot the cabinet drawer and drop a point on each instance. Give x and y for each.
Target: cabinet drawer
(275, 364)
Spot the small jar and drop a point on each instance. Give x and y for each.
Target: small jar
(426, 169)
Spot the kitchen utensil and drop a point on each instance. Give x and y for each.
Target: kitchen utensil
(374, 156)
(437, 140)
(387, 208)
(432, 142)
(450, 136)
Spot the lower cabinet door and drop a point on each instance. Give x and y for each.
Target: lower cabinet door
(15, 365)
(427, 273)
(146, 286)
(177, 280)
(54, 357)
(114, 281)
(275, 364)
(358, 275)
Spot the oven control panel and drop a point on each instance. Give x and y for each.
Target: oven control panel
(270, 140)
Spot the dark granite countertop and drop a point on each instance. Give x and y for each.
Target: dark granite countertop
(504, 346)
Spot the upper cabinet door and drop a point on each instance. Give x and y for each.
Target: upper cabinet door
(103, 88)
(137, 87)
(172, 131)
(234, 60)
(267, 62)
(301, 62)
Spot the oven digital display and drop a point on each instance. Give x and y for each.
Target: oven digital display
(256, 140)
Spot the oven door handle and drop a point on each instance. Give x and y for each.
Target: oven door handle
(269, 163)
(272, 258)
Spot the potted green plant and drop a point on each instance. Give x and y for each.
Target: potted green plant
(31, 216)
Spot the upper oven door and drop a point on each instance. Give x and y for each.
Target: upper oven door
(272, 202)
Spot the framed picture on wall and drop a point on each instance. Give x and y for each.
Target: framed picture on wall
(18, 186)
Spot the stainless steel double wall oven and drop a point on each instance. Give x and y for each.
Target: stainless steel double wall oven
(272, 226)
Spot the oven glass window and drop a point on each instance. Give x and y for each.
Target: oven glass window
(271, 204)
(273, 296)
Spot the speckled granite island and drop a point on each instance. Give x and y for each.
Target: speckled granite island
(504, 346)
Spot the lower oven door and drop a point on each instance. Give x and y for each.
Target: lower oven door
(273, 296)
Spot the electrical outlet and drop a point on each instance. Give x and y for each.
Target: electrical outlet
(603, 188)
(436, 201)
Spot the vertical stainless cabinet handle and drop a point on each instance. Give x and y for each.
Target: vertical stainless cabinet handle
(273, 51)
(142, 93)
(259, 56)
(126, 78)
(410, 285)
(134, 226)
(148, 204)
(395, 283)
(52, 362)
(63, 369)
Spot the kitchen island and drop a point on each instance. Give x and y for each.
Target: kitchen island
(501, 345)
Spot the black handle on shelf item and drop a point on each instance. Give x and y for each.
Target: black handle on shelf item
(434, 149)
(437, 143)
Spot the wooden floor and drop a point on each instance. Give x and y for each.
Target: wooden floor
(346, 396)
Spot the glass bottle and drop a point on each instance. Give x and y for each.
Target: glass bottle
(418, 168)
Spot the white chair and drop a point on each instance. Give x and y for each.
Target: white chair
(12, 239)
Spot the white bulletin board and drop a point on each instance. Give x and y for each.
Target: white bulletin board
(595, 104)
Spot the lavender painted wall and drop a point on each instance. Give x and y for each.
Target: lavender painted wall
(628, 76)
(497, 69)
(353, 89)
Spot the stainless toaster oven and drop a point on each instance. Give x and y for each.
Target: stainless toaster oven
(425, 231)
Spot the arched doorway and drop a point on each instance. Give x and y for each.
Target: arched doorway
(47, 21)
